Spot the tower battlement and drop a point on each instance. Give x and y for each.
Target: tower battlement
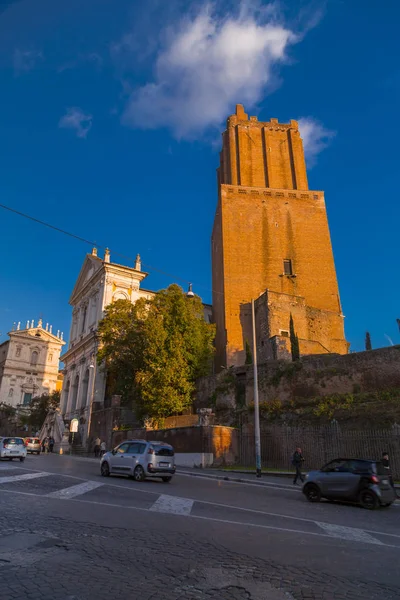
(262, 153)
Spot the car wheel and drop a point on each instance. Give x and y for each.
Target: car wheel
(105, 469)
(10, 458)
(38, 453)
(22, 458)
(166, 479)
(139, 474)
(386, 505)
(312, 492)
(368, 500)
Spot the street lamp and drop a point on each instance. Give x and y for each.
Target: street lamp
(93, 367)
(257, 437)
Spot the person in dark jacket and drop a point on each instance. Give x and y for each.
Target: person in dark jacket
(386, 465)
(297, 462)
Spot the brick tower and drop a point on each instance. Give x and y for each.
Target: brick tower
(271, 242)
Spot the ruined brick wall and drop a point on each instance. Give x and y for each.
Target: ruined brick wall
(318, 375)
(266, 214)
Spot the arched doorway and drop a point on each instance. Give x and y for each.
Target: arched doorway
(85, 387)
(74, 393)
(65, 398)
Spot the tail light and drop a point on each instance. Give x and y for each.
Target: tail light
(374, 479)
(149, 466)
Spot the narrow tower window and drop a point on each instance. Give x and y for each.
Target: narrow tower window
(287, 267)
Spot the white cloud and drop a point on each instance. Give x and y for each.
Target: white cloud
(315, 137)
(207, 66)
(25, 60)
(76, 119)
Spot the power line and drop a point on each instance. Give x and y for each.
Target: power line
(84, 240)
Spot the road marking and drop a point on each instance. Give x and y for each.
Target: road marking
(24, 477)
(172, 504)
(265, 484)
(245, 524)
(75, 490)
(348, 533)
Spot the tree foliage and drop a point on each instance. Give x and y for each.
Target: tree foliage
(154, 350)
(294, 341)
(40, 406)
(368, 343)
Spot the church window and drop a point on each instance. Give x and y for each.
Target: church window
(84, 319)
(34, 357)
(18, 352)
(287, 267)
(50, 357)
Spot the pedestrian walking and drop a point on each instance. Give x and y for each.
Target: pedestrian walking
(103, 448)
(51, 444)
(97, 443)
(297, 462)
(386, 465)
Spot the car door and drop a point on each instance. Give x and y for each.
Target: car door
(132, 455)
(119, 462)
(333, 478)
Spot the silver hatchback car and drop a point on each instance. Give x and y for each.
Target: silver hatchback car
(12, 447)
(140, 459)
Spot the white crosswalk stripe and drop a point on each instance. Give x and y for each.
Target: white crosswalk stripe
(75, 490)
(348, 533)
(172, 505)
(24, 477)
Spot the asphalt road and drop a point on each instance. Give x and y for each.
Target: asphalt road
(66, 533)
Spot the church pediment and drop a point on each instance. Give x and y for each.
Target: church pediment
(91, 265)
(35, 333)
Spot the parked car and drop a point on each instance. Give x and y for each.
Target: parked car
(140, 459)
(33, 445)
(12, 447)
(355, 480)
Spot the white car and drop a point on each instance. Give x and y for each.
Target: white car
(12, 447)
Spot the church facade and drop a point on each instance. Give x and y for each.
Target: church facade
(29, 363)
(271, 243)
(99, 283)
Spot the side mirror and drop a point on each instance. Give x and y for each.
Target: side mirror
(114, 452)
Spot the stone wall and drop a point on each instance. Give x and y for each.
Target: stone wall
(219, 442)
(313, 376)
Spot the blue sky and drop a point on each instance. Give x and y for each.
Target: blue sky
(110, 120)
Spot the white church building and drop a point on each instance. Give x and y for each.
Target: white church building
(29, 363)
(100, 283)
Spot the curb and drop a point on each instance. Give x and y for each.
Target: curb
(226, 478)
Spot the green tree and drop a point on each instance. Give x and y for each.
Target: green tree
(368, 344)
(155, 350)
(40, 406)
(249, 356)
(294, 341)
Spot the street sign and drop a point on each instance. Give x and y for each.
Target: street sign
(74, 426)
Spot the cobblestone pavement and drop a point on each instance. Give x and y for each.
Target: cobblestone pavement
(53, 557)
